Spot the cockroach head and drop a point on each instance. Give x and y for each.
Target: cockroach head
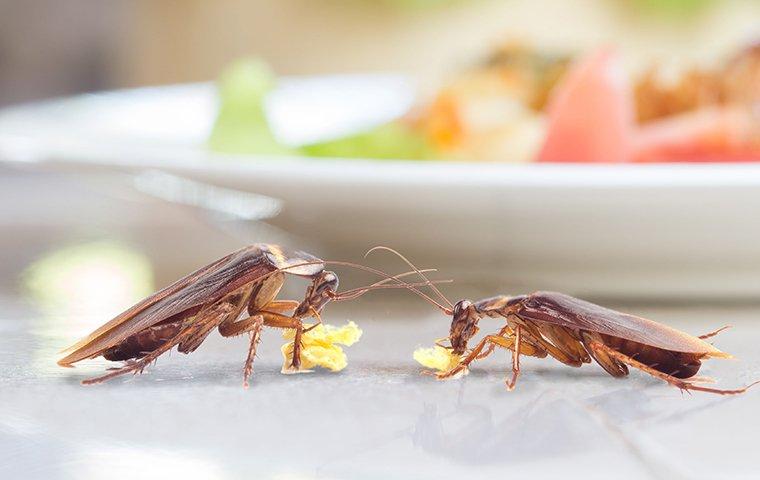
(319, 293)
(464, 325)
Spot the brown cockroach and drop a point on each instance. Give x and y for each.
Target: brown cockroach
(217, 296)
(574, 331)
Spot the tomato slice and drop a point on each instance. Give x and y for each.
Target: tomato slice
(591, 113)
(718, 134)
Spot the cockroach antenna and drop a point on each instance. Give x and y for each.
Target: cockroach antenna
(401, 283)
(419, 272)
(357, 292)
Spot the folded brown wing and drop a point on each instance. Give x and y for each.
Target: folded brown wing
(204, 286)
(560, 309)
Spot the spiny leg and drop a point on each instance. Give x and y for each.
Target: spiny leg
(281, 306)
(609, 363)
(515, 359)
(253, 326)
(255, 334)
(277, 320)
(316, 315)
(676, 382)
(712, 334)
(295, 363)
(139, 365)
(506, 331)
(465, 362)
(506, 341)
(229, 310)
(233, 327)
(558, 354)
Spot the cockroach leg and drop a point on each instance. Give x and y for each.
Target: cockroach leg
(502, 339)
(295, 363)
(316, 315)
(609, 363)
(551, 349)
(255, 334)
(277, 320)
(232, 327)
(229, 310)
(139, 365)
(488, 351)
(197, 336)
(206, 320)
(712, 334)
(464, 364)
(515, 359)
(281, 306)
(679, 383)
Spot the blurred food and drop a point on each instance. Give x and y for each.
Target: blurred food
(590, 113)
(737, 82)
(725, 133)
(241, 125)
(392, 140)
(523, 105)
(493, 112)
(320, 347)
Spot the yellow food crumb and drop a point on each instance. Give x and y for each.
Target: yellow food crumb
(439, 358)
(319, 347)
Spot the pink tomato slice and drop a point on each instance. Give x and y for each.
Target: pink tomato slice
(591, 113)
(718, 134)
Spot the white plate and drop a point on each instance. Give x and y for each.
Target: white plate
(621, 230)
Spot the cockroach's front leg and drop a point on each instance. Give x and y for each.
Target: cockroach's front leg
(464, 363)
(506, 333)
(277, 320)
(504, 339)
(679, 383)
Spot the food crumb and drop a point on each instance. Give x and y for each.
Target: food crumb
(438, 358)
(320, 347)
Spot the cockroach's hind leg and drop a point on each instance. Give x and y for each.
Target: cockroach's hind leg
(712, 334)
(701, 379)
(682, 384)
(125, 363)
(255, 335)
(138, 366)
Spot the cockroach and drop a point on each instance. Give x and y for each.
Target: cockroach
(574, 331)
(219, 296)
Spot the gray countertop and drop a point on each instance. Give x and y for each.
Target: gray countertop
(188, 417)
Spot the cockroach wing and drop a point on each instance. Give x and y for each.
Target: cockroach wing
(292, 261)
(202, 287)
(560, 309)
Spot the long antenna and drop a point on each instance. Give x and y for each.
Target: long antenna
(358, 292)
(401, 283)
(419, 272)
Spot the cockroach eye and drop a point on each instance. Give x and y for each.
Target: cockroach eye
(461, 306)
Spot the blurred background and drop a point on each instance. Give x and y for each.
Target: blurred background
(49, 50)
